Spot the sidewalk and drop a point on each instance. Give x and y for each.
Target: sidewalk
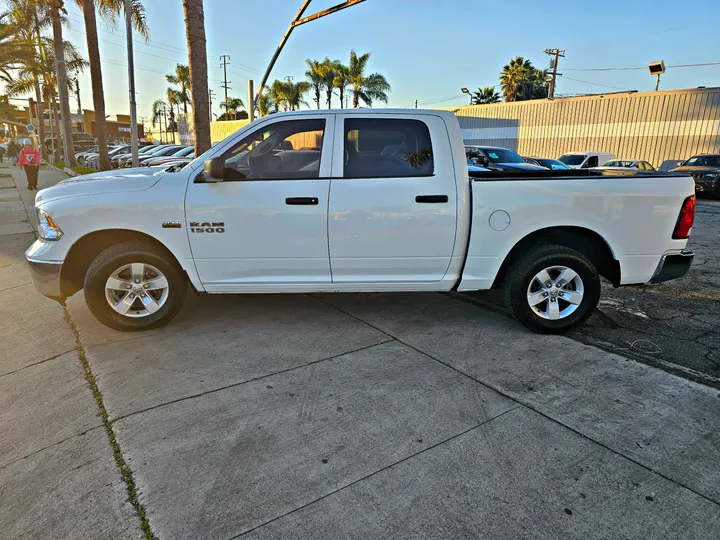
(58, 478)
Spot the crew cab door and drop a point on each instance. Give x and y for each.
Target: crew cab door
(264, 226)
(393, 202)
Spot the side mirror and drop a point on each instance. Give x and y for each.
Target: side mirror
(213, 170)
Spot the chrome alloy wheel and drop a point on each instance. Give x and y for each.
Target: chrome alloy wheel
(555, 293)
(136, 290)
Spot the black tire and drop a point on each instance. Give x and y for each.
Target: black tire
(126, 253)
(522, 272)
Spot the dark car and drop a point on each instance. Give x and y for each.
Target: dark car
(546, 163)
(705, 170)
(499, 159)
(169, 151)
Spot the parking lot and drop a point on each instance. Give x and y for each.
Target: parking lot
(360, 416)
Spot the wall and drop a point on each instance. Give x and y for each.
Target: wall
(660, 127)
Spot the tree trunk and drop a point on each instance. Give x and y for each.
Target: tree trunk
(329, 97)
(342, 96)
(55, 128)
(356, 99)
(41, 116)
(62, 88)
(88, 7)
(38, 91)
(197, 60)
(317, 95)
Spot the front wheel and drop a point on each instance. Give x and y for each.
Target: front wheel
(132, 286)
(552, 288)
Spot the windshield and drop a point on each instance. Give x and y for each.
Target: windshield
(703, 161)
(552, 164)
(618, 163)
(572, 159)
(501, 155)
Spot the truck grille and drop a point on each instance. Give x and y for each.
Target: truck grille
(698, 175)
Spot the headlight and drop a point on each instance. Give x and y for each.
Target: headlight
(47, 228)
(712, 175)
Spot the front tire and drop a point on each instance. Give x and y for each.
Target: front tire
(552, 288)
(132, 286)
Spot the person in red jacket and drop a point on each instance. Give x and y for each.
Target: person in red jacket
(29, 159)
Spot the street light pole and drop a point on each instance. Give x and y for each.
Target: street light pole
(131, 83)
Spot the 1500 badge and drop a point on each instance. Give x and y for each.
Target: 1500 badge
(207, 227)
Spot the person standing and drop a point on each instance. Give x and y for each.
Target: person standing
(12, 152)
(2, 154)
(29, 160)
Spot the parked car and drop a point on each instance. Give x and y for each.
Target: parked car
(585, 160)
(499, 159)
(169, 151)
(118, 161)
(255, 217)
(188, 151)
(552, 164)
(628, 164)
(93, 161)
(81, 156)
(705, 170)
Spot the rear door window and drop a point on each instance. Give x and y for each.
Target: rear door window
(387, 148)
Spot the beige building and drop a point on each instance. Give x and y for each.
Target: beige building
(660, 127)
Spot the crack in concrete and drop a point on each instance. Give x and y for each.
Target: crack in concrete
(50, 446)
(528, 405)
(383, 469)
(239, 383)
(36, 363)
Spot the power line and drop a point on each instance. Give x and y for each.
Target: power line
(597, 84)
(644, 68)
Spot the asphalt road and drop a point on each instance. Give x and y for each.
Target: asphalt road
(675, 325)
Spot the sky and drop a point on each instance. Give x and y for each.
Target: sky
(427, 49)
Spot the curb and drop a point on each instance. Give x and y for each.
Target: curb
(70, 172)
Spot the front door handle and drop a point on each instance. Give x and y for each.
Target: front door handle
(431, 199)
(301, 200)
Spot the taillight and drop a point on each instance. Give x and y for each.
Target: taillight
(686, 219)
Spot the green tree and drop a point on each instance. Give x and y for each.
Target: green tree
(341, 81)
(520, 81)
(181, 78)
(366, 88)
(289, 95)
(197, 56)
(232, 106)
(484, 95)
(316, 77)
(265, 103)
(109, 10)
(328, 70)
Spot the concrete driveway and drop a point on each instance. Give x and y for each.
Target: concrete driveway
(345, 416)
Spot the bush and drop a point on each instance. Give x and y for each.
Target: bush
(82, 170)
(59, 164)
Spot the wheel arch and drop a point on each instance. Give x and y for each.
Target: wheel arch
(84, 251)
(586, 241)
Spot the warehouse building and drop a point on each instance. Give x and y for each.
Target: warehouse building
(660, 127)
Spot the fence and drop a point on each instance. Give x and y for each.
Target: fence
(660, 127)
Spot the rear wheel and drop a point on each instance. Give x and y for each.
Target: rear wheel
(132, 286)
(552, 288)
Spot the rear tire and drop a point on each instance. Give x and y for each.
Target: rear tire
(132, 286)
(552, 288)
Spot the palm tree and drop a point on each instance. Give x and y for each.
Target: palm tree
(295, 92)
(366, 88)
(159, 110)
(173, 100)
(197, 61)
(265, 103)
(232, 105)
(328, 70)
(109, 10)
(20, 45)
(341, 81)
(316, 77)
(487, 94)
(181, 77)
(279, 94)
(514, 78)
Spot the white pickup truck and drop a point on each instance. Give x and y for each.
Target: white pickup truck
(356, 201)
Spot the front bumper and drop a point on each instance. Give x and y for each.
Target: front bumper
(673, 266)
(707, 185)
(46, 278)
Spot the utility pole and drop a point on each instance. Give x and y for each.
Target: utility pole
(251, 103)
(416, 103)
(225, 59)
(210, 100)
(77, 94)
(131, 83)
(556, 54)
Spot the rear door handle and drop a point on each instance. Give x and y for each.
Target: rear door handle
(301, 200)
(431, 199)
